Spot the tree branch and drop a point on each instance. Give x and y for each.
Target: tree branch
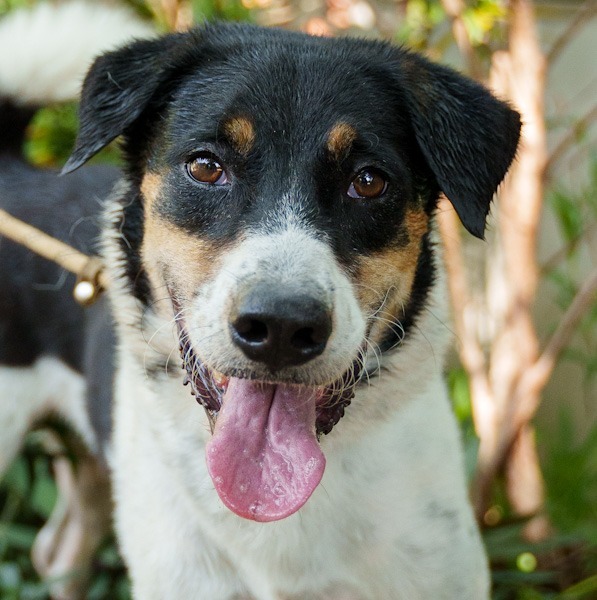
(537, 377)
(472, 355)
(454, 10)
(528, 393)
(519, 74)
(470, 351)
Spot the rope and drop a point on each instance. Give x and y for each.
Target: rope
(91, 278)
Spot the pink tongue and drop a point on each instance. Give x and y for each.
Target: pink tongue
(264, 458)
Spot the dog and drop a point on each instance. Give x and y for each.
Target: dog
(56, 358)
(272, 246)
(275, 225)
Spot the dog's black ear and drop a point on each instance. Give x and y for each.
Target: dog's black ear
(116, 90)
(467, 136)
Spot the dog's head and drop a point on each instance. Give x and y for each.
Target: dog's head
(283, 191)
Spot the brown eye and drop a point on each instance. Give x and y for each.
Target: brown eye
(207, 169)
(367, 184)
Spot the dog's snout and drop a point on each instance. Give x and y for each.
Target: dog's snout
(280, 330)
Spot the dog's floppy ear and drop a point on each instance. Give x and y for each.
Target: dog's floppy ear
(116, 90)
(467, 136)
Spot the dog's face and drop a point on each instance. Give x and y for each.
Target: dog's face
(283, 192)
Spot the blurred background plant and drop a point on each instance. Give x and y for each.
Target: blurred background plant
(524, 377)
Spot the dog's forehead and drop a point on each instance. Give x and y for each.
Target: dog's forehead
(292, 126)
(295, 85)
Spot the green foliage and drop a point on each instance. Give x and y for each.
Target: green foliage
(109, 581)
(8, 5)
(422, 17)
(576, 212)
(230, 10)
(571, 479)
(425, 25)
(459, 390)
(483, 20)
(51, 136)
(142, 7)
(522, 570)
(587, 588)
(27, 496)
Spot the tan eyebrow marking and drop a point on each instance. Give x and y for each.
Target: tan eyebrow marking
(241, 133)
(340, 139)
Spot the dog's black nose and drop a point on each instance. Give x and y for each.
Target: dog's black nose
(280, 330)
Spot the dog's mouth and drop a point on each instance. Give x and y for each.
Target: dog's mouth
(264, 456)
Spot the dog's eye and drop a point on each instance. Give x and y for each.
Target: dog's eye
(206, 168)
(368, 183)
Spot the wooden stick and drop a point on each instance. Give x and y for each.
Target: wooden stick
(45, 245)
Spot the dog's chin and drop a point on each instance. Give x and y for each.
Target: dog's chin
(264, 456)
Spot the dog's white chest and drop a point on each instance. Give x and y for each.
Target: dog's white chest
(383, 523)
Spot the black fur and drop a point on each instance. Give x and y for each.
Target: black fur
(38, 314)
(99, 367)
(467, 136)
(13, 123)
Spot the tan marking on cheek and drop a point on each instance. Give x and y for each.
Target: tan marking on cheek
(241, 133)
(188, 260)
(340, 140)
(387, 276)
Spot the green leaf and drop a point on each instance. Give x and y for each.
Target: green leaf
(18, 536)
(581, 590)
(34, 591)
(17, 479)
(570, 472)
(568, 212)
(43, 494)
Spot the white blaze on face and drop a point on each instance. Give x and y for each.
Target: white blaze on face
(292, 259)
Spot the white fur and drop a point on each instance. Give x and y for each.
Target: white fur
(390, 519)
(69, 36)
(28, 394)
(288, 259)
